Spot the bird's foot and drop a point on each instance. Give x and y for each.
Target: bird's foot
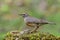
(33, 31)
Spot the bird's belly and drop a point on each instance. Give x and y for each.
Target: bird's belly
(30, 24)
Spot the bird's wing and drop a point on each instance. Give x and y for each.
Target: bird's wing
(31, 19)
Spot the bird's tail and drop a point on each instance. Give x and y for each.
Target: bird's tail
(47, 22)
(44, 21)
(52, 23)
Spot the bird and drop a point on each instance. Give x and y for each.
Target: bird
(31, 21)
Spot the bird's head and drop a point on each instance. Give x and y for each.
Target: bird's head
(24, 15)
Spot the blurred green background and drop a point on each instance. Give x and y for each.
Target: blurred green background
(9, 10)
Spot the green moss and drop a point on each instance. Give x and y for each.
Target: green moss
(33, 36)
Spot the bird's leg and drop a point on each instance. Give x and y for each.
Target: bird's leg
(35, 29)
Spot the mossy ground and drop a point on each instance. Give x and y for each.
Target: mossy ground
(33, 36)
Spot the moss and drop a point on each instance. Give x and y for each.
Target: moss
(15, 35)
